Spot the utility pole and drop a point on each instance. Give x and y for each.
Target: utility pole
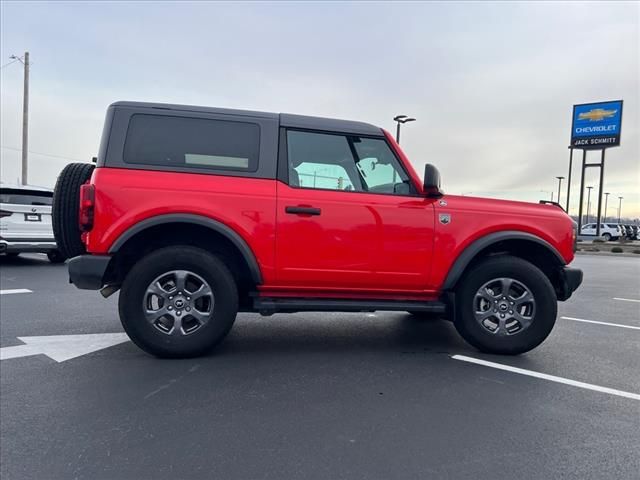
(619, 208)
(606, 200)
(25, 116)
(25, 120)
(559, 188)
(588, 203)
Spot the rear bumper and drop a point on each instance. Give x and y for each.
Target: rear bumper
(87, 271)
(26, 245)
(570, 280)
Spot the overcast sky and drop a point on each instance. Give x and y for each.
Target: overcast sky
(491, 84)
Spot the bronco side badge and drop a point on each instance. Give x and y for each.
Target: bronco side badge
(442, 203)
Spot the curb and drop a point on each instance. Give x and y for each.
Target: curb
(609, 254)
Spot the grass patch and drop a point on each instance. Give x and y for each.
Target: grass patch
(617, 250)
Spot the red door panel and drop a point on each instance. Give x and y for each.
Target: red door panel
(357, 241)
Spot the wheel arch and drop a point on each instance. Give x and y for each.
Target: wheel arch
(520, 244)
(198, 224)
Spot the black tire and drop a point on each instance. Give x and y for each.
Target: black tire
(533, 279)
(12, 254)
(66, 203)
(607, 237)
(55, 256)
(159, 343)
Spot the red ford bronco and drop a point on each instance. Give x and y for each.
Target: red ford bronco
(195, 214)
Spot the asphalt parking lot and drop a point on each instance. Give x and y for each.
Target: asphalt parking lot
(321, 396)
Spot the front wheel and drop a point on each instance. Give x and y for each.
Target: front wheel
(178, 302)
(505, 305)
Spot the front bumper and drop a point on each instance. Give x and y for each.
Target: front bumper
(87, 271)
(570, 280)
(27, 245)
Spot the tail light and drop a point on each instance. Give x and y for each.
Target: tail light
(4, 213)
(87, 203)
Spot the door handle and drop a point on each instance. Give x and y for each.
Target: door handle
(302, 210)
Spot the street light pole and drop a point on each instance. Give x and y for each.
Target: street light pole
(606, 200)
(619, 208)
(588, 203)
(559, 187)
(401, 119)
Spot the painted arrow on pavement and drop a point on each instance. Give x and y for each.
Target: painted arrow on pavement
(63, 347)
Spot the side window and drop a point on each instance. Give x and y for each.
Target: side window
(379, 167)
(338, 162)
(319, 160)
(166, 141)
(318, 175)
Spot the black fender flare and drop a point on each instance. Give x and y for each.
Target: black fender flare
(469, 253)
(210, 223)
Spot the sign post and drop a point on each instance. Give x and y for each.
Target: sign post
(595, 126)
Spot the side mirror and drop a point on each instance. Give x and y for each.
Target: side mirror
(432, 181)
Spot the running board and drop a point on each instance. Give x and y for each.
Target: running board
(269, 306)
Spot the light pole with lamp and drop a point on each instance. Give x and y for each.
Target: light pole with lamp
(588, 203)
(569, 177)
(401, 119)
(619, 208)
(559, 187)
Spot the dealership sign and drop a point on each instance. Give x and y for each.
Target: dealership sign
(596, 125)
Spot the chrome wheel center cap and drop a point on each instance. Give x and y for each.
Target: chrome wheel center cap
(179, 303)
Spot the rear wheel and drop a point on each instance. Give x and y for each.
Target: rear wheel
(55, 256)
(505, 305)
(178, 302)
(606, 236)
(66, 205)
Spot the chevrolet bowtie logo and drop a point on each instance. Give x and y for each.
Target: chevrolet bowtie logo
(596, 114)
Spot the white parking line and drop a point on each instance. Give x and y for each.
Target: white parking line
(626, 299)
(544, 376)
(601, 323)
(15, 290)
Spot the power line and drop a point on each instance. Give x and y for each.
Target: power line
(7, 64)
(45, 154)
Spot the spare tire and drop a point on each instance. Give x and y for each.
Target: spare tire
(65, 210)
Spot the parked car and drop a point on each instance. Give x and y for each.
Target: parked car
(634, 229)
(629, 232)
(25, 221)
(608, 231)
(197, 213)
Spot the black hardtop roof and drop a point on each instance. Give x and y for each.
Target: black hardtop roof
(285, 119)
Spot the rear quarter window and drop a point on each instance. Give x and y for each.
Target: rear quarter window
(167, 141)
